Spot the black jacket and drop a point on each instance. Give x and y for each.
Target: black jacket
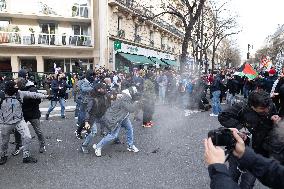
(233, 86)
(56, 92)
(30, 107)
(217, 84)
(242, 116)
(96, 108)
(269, 172)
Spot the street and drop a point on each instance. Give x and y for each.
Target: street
(171, 156)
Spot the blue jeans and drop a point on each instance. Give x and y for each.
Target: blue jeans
(114, 133)
(53, 104)
(216, 105)
(247, 180)
(82, 113)
(77, 109)
(162, 94)
(91, 135)
(246, 92)
(231, 99)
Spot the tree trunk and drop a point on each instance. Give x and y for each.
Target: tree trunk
(183, 55)
(213, 57)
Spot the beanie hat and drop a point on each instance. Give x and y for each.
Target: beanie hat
(22, 73)
(272, 72)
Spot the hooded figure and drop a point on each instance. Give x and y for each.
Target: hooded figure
(117, 116)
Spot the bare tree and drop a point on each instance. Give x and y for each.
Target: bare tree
(223, 27)
(187, 12)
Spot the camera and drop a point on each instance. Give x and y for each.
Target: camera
(222, 137)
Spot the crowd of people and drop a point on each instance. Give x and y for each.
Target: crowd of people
(260, 116)
(105, 99)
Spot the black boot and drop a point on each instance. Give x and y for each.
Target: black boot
(46, 116)
(3, 160)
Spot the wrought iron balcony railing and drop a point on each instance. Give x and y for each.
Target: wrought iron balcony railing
(45, 39)
(141, 10)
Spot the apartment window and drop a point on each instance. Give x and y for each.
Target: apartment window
(119, 21)
(80, 30)
(136, 28)
(47, 33)
(4, 24)
(151, 36)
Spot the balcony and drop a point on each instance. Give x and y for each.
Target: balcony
(17, 38)
(42, 10)
(121, 33)
(3, 5)
(141, 10)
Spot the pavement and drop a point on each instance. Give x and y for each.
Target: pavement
(170, 156)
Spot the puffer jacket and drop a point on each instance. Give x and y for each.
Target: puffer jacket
(119, 110)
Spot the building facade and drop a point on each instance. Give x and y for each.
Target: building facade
(136, 42)
(35, 34)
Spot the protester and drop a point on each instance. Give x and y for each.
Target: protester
(12, 118)
(58, 87)
(96, 108)
(117, 116)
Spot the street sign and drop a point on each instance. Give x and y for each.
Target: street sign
(117, 45)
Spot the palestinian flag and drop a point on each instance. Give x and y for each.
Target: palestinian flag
(246, 70)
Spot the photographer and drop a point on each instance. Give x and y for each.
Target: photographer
(258, 115)
(267, 171)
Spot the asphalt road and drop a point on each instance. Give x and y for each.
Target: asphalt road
(171, 156)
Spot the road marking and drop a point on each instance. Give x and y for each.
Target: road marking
(58, 108)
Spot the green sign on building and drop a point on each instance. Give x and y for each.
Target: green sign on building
(117, 45)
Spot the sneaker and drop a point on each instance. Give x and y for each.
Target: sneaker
(98, 151)
(17, 151)
(29, 160)
(147, 125)
(78, 135)
(63, 117)
(214, 115)
(132, 149)
(42, 149)
(46, 116)
(84, 149)
(151, 123)
(3, 160)
(76, 117)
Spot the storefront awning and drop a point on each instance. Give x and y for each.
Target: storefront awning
(170, 62)
(158, 61)
(136, 59)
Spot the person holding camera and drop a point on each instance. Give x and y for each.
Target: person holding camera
(258, 116)
(267, 171)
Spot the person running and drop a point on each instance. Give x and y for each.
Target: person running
(96, 108)
(117, 116)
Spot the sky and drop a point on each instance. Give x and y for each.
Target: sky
(257, 19)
